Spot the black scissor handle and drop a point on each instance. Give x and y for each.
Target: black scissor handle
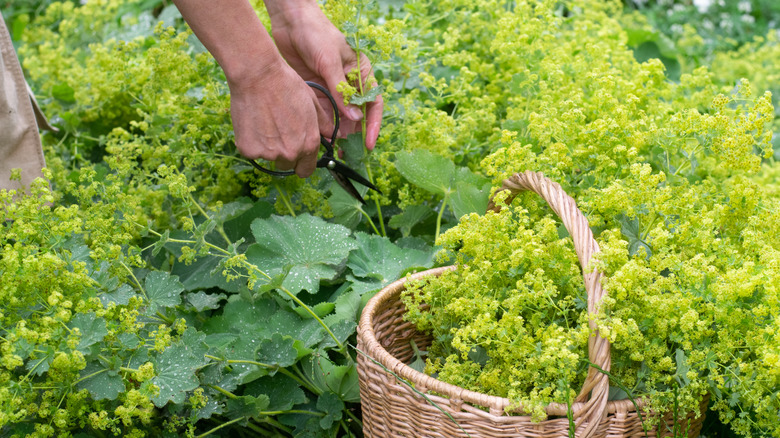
(328, 145)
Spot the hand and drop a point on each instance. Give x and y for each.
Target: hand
(275, 114)
(276, 117)
(319, 52)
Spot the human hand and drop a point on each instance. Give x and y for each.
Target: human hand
(319, 52)
(276, 117)
(275, 114)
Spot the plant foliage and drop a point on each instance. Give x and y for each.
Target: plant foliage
(155, 284)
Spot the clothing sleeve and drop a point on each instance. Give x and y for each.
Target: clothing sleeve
(20, 143)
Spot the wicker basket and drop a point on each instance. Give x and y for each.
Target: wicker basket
(398, 401)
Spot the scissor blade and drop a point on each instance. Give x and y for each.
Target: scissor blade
(350, 173)
(345, 184)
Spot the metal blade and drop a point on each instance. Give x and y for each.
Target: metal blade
(348, 172)
(347, 185)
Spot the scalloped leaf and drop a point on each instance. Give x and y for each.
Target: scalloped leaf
(378, 258)
(306, 245)
(163, 290)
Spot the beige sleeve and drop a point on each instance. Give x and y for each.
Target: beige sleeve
(20, 143)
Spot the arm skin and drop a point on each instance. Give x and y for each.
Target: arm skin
(276, 116)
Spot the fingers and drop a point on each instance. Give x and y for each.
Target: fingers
(307, 162)
(301, 155)
(325, 116)
(334, 74)
(304, 159)
(373, 122)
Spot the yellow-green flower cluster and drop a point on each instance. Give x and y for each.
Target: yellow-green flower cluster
(507, 322)
(663, 171)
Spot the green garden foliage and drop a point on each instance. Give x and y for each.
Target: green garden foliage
(155, 284)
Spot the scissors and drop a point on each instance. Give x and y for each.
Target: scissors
(343, 174)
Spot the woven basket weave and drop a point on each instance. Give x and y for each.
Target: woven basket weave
(398, 401)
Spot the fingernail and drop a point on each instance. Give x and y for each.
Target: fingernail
(355, 114)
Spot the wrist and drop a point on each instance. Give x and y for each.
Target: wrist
(287, 11)
(244, 73)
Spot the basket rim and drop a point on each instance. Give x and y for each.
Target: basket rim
(375, 351)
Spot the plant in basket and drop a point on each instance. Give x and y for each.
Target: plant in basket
(689, 298)
(685, 240)
(690, 268)
(687, 304)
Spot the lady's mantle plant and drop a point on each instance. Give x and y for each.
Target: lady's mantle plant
(148, 289)
(689, 243)
(151, 289)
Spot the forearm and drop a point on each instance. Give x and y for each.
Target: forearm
(234, 35)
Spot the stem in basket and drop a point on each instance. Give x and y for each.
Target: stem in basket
(627, 391)
(570, 416)
(405, 382)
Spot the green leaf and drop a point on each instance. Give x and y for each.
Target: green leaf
(18, 25)
(342, 330)
(308, 331)
(63, 92)
(306, 245)
(92, 328)
(120, 296)
(378, 258)
(39, 364)
(426, 170)
(469, 199)
(102, 383)
(246, 406)
(479, 355)
(358, 44)
(419, 362)
(103, 277)
(320, 310)
(347, 307)
(169, 15)
(413, 215)
(128, 341)
(333, 408)
(440, 176)
(616, 393)
(347, 211)
(369, 96)
(354, 152)
(78, 251)
(465, 175)
(202, 301)
(630, 228)
(138, 357)
(253, 321)
(327, 376)
(163, 290)
(278, 350)
(213, 407)
(349, 27)
(176, 366)
(237, 225)
(363, 287)
(204, 273)
(283, 392)
(160, 244)
(681, 374)
(661, 50)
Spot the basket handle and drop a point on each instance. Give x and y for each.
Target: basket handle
(596, 384)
